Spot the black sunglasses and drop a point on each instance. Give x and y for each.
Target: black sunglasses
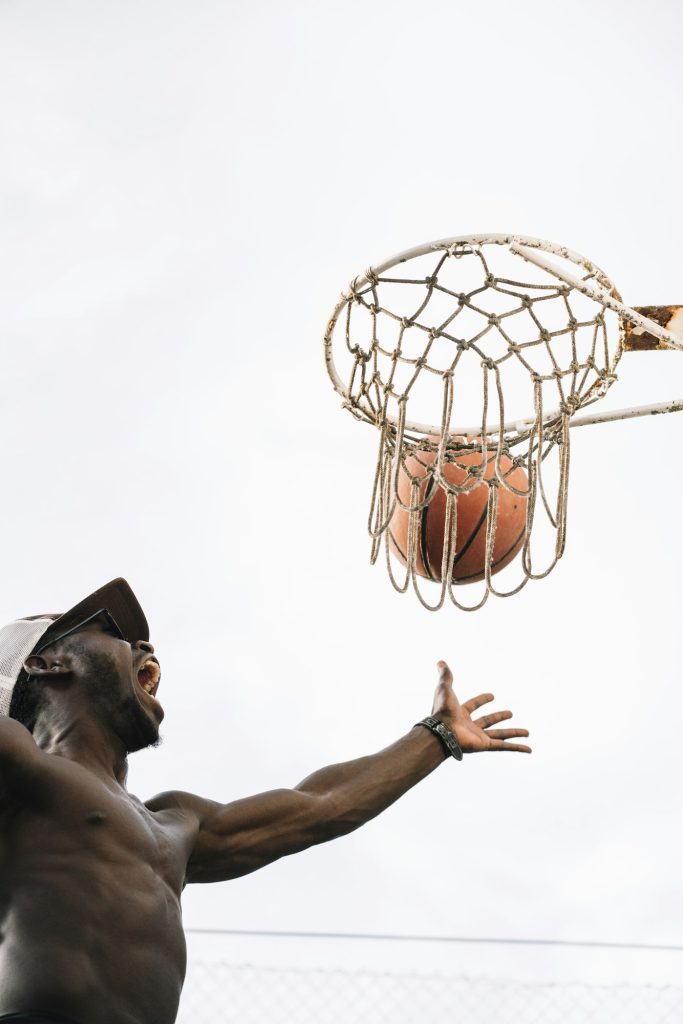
(111, 622)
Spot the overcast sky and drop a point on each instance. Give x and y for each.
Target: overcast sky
(185, 189)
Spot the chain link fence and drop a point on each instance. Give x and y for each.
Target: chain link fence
(233, 993)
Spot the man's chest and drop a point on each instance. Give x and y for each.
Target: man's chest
(87, 824)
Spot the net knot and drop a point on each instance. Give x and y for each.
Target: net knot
(570, 405)
(359, 354)
(488, 363)
(494, 319)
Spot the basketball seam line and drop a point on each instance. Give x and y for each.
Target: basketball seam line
(424, 551)
(463, 579)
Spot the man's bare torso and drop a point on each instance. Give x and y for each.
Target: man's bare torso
(90, 883)
(90, 878)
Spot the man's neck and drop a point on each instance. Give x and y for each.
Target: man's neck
(78, 737)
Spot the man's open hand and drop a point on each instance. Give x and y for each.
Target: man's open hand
(477, 734)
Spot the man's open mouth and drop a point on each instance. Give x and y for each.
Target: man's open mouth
(149, 675)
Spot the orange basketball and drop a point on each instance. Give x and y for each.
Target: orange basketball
(470, 540)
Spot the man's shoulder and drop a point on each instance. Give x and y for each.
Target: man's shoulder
(16, 741)
(187, 804)
(24, 767)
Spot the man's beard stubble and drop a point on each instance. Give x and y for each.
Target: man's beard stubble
(141, 731)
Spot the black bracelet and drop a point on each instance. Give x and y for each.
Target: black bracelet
(445, 735)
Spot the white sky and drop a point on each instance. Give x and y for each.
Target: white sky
(185, 188)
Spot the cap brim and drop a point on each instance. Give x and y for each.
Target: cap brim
(119, 600)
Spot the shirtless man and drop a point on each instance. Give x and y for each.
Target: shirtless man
(91, 877)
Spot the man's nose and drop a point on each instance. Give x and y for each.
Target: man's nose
(144, 645)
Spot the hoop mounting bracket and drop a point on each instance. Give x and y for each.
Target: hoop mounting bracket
(638, 339)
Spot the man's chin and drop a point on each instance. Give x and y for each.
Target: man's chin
(144, 745)
(144, 739)
(141, 730)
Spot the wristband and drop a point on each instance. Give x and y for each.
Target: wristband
(445, 735)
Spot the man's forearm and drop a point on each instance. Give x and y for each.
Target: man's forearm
(242, 836)
(357, 791)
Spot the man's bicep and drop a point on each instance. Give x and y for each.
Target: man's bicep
(237, 838)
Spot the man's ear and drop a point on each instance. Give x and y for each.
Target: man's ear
(39, 667)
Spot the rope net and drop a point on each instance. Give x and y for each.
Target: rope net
(487, 332)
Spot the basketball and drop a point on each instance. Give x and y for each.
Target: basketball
(471, 508)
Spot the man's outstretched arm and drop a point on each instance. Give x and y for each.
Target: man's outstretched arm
(236, 838)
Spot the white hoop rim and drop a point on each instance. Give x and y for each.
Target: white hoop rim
(528, 248)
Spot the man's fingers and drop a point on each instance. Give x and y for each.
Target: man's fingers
(519, 747)
(506, 734)
(498, 716)
(476, 702)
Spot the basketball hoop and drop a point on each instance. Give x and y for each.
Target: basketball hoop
(446, 349)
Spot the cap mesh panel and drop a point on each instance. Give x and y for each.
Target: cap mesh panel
(17, 640)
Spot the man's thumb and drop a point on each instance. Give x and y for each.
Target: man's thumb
(445, 674)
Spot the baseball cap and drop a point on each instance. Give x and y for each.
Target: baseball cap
(20, 638)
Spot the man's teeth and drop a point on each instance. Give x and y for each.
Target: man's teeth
(149, 676)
